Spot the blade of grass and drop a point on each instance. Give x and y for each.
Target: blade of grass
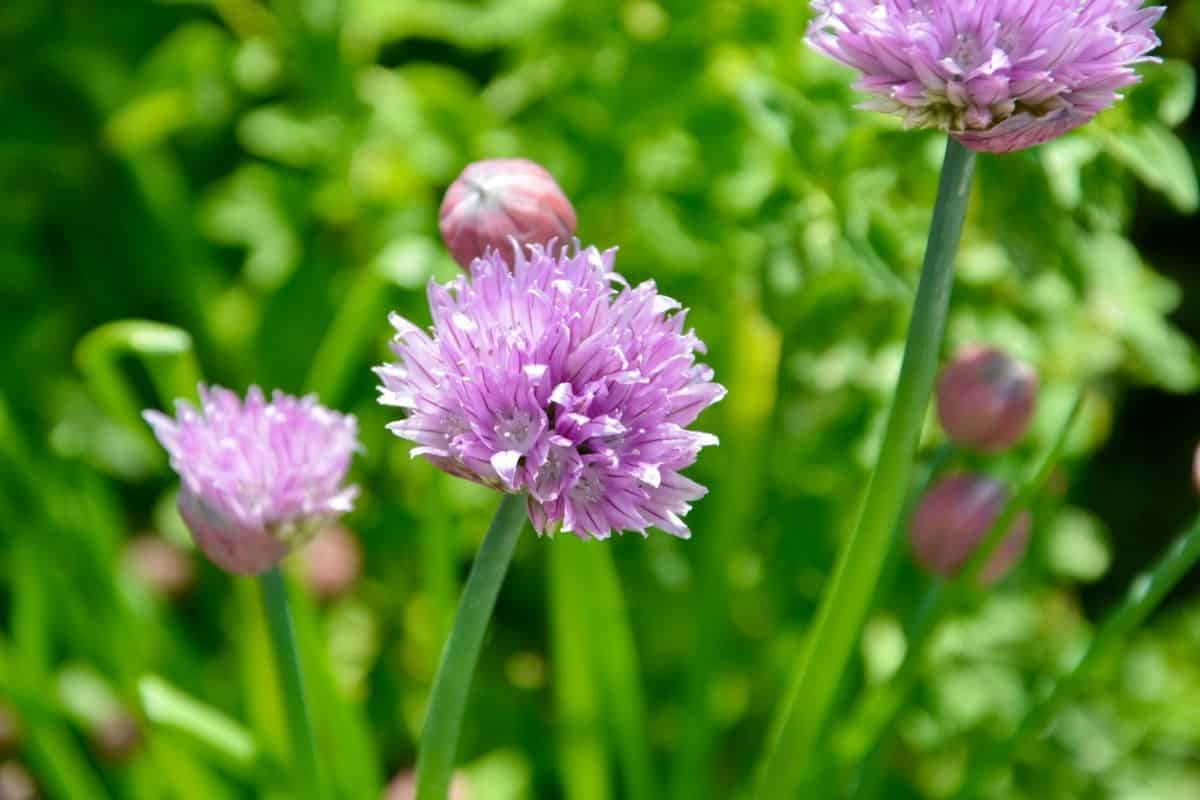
(582, 755)
(354, 324)
(752, 379)
(353, 762)
(221, 736)
(616, 655)
(53, 751)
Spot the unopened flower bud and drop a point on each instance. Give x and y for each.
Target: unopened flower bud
(332, 562)
(404, 787)
(954, 516)
(493, 201)
(985, 398)
(10, 733)
(117, 737)
(162, 565)
(16, 783)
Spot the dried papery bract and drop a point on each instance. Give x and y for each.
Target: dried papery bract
(986, 399)
(503, 200)
(997, 75)
(258, 477)
(952, 519)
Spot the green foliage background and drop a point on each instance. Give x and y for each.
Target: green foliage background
(265, 177)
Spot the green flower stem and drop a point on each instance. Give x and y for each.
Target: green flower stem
(448, 701)
(880, 709)
(1144, 595)
(287, 660)
(801, 716)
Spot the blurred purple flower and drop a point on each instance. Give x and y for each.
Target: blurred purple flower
(986, 398)
(954, 516)
(257, 477)
(998, 75)
(500, 199)
(548, 379)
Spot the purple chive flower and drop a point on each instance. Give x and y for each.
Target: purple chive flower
(998, 75)
(557, 378)
(257, 477)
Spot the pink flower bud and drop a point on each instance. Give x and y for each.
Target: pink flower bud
(494, 200)
(163, 566)
(117, 737)
(332, 562)
(953, 518)
(404, 787)
(16, 783)
(985, 398)
(10, 732)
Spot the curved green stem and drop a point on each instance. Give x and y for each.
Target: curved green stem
(844, 605)
(448, 701)
(287, 660)
(1144, 595)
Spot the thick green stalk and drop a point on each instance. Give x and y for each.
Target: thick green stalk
(287, 660)
(448, 701)
(844, 605)
(1144, 595)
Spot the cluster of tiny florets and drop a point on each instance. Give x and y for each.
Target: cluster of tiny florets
(998, 75)
(257, 476)
(546, 373)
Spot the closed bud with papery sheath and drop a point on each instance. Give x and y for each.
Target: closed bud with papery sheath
(954, 517)
(257, 477)
(493, 202)
(986, 399)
